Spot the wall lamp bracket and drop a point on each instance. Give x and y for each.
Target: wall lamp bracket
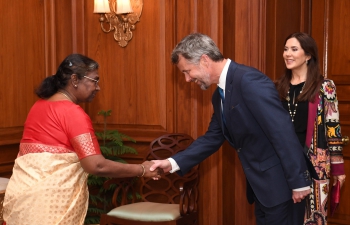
(119, 16)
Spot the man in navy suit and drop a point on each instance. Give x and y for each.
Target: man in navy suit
(250, 116)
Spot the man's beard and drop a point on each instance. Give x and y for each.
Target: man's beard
(204, 86)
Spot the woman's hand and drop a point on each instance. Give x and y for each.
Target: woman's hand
(341, 179)
(99, 166)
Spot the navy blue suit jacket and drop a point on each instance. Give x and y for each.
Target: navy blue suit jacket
(262, 133)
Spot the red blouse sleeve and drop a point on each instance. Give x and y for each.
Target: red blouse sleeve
(81, 133)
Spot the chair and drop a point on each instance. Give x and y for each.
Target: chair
(172, 200)
(3, 185)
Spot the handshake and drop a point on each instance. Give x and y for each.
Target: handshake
(156, 168)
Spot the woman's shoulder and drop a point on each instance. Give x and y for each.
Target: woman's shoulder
(328, 83)
(63, 106)
(328, 89)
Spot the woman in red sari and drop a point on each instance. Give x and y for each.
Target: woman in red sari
(59, 149)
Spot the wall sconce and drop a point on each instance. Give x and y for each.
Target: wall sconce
(121, 15)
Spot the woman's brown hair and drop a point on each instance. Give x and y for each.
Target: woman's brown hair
(313, 77)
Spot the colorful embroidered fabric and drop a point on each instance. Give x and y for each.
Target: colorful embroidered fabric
(325, 152)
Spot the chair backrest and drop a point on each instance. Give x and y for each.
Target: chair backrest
(172, 190)
(167, 189)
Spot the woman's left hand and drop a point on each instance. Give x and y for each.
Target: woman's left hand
(341, 179)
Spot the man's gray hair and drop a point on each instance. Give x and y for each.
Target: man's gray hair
(193, 46)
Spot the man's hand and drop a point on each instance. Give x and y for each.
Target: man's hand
(163, 164)
(300, 195)
(155, 173)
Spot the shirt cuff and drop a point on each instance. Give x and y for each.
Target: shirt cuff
(174, 166)
(302, 189)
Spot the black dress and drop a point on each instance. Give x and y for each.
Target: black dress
(300, 111)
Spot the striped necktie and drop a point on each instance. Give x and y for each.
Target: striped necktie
(222, 95)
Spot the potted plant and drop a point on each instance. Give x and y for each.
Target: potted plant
(112, 146)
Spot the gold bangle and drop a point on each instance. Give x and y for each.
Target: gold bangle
(143, 172)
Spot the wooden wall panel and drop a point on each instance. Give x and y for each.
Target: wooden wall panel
(282, 19)
(63, 25)
(187, 98)
(136, 82)
(63, 29)
(21, 54)
(211, 170)
(318, 30)
(338, 62)
(21, 61)
(8, 154)
(230, 205)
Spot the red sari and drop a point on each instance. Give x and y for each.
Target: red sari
(48, 185)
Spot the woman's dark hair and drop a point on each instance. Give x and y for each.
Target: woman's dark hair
(314, 76)
(73, 64)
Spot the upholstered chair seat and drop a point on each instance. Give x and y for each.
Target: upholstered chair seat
(147, 211)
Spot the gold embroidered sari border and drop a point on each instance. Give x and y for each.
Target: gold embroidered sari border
(26, 148)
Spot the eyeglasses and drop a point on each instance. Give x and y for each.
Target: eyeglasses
(94, 80)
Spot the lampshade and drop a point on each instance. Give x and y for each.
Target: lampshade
(101, 6)
(123, 6)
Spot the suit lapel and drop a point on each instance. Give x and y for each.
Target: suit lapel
(217, 104)
(228, 101)
(229, 90)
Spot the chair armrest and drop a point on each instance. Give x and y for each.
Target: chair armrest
(188, 196)
(124, 190)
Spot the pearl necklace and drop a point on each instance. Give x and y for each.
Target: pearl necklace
(292, 113)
